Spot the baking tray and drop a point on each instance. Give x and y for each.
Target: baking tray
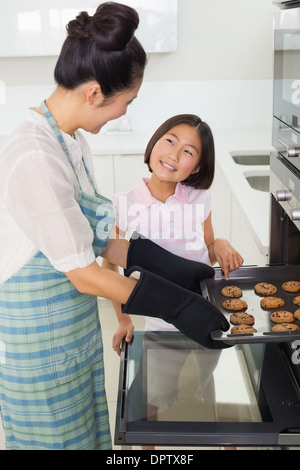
(246, 278)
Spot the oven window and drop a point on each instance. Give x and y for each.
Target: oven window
(173, 384)
(291, 68)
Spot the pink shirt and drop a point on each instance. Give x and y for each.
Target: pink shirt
(175, 225)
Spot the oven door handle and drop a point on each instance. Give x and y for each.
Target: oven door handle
(289, 437)
(291, 151)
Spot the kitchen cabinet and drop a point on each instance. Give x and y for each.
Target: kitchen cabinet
(118, 173)
(221, 204)
(104, 174)
(242, 239)
(129, 169)
(38, 28)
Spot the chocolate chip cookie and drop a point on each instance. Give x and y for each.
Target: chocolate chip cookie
(296, 300)
(286, 327)
(282, 316)
(232, 291)
(291, 286)
(297, 314)
(272, 302)
(243, 329)
(241, 318)
(264, 288)
(235, 304)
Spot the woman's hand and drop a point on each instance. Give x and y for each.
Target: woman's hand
(125, 330)
(227, 257)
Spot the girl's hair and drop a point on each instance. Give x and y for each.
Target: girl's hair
(102, 48)
(204, 177)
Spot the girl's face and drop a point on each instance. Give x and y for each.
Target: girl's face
(176, 155)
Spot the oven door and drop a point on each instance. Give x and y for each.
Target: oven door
(286, 140)
(287, 66)
(173, 392)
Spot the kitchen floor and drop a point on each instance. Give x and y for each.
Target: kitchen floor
(111, 359)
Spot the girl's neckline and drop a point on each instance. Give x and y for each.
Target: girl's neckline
(160, 196)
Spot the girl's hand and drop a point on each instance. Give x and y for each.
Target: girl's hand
(227, 257)
(125, 330)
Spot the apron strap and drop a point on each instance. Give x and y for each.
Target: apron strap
(60, 139)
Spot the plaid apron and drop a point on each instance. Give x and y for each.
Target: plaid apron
(52, 390)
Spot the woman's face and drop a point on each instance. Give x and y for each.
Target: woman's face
(176, 155)
(103, 111)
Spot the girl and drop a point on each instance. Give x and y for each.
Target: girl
(173, 206)
(53, 226)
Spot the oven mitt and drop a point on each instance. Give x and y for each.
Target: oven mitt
(189, 312)
(183, 272)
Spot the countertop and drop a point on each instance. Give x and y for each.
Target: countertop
(255, 204)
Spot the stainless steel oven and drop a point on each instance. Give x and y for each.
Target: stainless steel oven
(285, 162)
(286, 135)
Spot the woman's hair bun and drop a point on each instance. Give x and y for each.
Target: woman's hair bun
(80, 27)
(112, 27)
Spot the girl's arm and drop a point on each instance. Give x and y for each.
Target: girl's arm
(116, 255)
(220, 250)
(126, 327)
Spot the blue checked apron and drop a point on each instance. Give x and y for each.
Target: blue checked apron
(52, 392)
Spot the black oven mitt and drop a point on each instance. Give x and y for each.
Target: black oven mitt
(183, 272)
(189, 312)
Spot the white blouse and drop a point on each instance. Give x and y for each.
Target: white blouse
(38, 199)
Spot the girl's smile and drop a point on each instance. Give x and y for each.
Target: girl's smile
(167, 166)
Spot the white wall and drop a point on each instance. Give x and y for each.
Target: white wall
(218, 40)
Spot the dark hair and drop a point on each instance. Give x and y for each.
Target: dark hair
(102, 48)
(202, 179)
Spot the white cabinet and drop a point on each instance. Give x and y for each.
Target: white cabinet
(104, 174)
(118, 173)
(221, 205)
(38, 28)
(242, 238)
(128, 170)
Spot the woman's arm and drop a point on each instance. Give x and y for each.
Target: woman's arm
(220, 250)
(117, 249)
(98, 281)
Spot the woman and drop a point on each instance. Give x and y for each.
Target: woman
(55, 224)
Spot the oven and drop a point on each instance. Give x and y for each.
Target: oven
(286, 129)
(285, 162)
(173, 392)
